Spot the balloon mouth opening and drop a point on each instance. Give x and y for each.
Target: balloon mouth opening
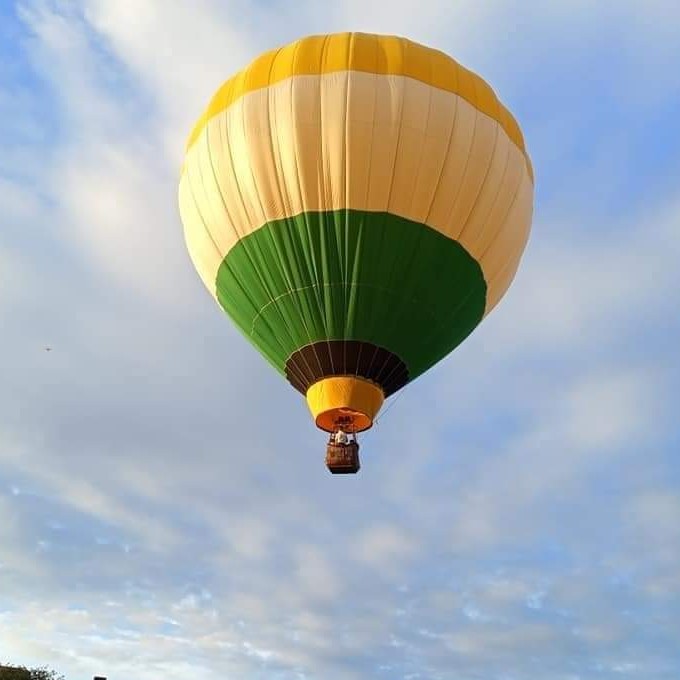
(343, 418)
(347, 402)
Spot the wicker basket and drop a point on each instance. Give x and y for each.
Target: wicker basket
(343, 459)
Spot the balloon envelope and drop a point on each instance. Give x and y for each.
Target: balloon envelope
(357, 204)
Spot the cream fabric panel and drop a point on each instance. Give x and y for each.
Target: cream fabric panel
(202, 248)
(368, 142)
(501, 259)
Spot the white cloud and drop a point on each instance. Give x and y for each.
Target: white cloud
(529, 638)
(14, 280)
(653, 528)
(384, 547)
(317, 575)
(576, 291)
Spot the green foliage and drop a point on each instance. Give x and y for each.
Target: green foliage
(44, 673)
(14, 673)
(9, 672)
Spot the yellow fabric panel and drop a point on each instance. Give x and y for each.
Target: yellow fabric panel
(498, 191)
(382, 55)
(344, 395)
(356, 140)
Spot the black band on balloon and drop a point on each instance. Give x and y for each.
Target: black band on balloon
(346, 357)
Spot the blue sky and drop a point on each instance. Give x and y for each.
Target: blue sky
(151, 523)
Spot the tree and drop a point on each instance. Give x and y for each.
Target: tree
(10, 672)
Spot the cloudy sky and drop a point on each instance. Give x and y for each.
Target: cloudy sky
(518, 511)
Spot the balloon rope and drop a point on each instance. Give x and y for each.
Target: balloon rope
(386, 411)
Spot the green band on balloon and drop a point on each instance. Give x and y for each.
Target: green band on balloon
(353, 275)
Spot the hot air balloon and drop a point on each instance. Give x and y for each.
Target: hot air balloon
(357, 204)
